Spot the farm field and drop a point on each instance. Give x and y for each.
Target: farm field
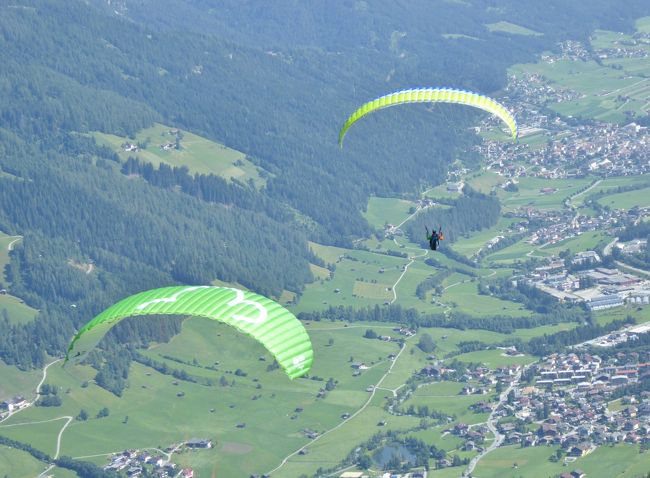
(18, 464)
(198, 154)
(627, 200)
(620, 461)
(387, 210)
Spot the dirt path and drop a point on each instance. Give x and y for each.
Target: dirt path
(38, 389)
(10, 246)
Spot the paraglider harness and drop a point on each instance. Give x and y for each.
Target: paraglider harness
(434, 238)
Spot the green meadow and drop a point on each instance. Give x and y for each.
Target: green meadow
(623, 461)
(17, 382)
(16, 310)
(507, 27)
(542, 193)
(627, 200)
(387, 210)
(494, 358)
(18, 464)
(199, 154)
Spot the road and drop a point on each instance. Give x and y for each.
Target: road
(596, 183)
(638, 271)
(498, 438)
(10, 246)
(363, 407)
(607, 250)
(406, 267)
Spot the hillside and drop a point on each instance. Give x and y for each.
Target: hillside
(146, 143)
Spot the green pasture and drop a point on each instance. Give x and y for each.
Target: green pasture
(640, 313)
(516, 252)
(465, 298)
(531, 192)
(507, 27)
(643, 24)
(440, 191)
(585, 241)
(440, 389)
(387, 210)
(330, 254)
(41, 436)
(472, 243)
(199, 154)
(623, 461)
(361, 278)
(603, 39)
(494, 358)
(16, 310)
(17, 382)
(18, 464)
(484, 181)
(627, 200)
(457, 405)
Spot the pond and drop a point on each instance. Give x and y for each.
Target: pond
(385, 453)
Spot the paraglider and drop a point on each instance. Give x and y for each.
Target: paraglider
(432, 95)
(277, 329)
(434, 238)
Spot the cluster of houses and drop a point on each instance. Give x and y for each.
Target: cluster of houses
(569, 406)
(594, 148)
(599, 288)
(135, 463)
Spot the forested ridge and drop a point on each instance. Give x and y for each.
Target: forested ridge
(240, 76)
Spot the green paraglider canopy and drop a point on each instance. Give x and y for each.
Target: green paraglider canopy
(268, 322)
(432, 95)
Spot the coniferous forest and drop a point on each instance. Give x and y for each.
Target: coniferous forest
(257, 80)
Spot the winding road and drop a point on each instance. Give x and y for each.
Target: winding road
(498, 438)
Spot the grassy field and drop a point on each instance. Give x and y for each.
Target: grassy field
(17, 311)
(464, 296)
(532, 192)
(507, 27)
(15, 382)
(470, 245)
(627, 200)
(484, 181)
(387, 210)
(199, 154)
(516, 252)
(583, 242)
(18, 464)
(453, 405)
(494, 358)
(361, 278)
(605, 462)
